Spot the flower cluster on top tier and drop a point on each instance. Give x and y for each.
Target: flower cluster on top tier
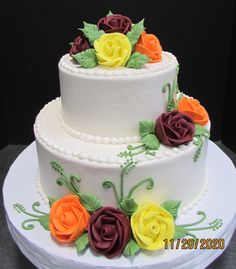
(115, 41)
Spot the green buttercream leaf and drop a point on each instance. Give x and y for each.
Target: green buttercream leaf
(201, 131)
(172, 106)
(146, 127)
(82, 242)
(87, 58)
(131, 248)
(51, 201)
(44, 221)
(128, 206)
(134, 34)
(151, 141)
(137, 60)
(172, 207)
(90, 202)
(109, 13)
(180, 232)
(91, 31)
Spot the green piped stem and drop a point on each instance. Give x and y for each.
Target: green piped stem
(192, 235)
(73, 181)
(64, 176)
(150, 152)
(149, 180)
(132, 154)
(124, 170)
(171, 92)
(130, 147)
(62, 181)
(112, 185)
(36, 204)
(203, 228)
(199, 145)
(167, 87)
(26, 226)
(216, 225)
(25, 212)
(140, 152)
(197, 222)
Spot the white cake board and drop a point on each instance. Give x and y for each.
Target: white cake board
(38, 246)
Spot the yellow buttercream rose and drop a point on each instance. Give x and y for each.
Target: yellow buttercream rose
(151, 224)
(113, 49)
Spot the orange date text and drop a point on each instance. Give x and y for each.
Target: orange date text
(190, 243)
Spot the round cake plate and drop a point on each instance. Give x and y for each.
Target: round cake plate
(39, 247)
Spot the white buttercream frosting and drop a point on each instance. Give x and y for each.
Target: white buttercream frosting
(96, 139)
(38, 246)
(176, 176)
(49, 135)
(108, 103)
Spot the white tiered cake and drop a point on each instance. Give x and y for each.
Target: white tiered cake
(97, 117)
(119, 153)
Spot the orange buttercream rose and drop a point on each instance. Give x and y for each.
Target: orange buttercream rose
(149, 45)
(68, 219)
(194, 110)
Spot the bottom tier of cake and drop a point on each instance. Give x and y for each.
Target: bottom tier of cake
(98, 169)
(45, 253)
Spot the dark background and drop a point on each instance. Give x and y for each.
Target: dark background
(35, 34)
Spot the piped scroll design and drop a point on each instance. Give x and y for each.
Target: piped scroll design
(126, 202)
(41, 216)
(172, 90)
(145, 215)
(89, 201)
(185, 230)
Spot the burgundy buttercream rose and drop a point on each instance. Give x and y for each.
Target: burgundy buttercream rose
(115, 23)
(80, 44)
(174, 128)
(109, 231)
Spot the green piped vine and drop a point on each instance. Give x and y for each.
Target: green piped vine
(133, 151)
(186, 229)
(172, 104)
(150, 142)
(126, 202)
(41, 217)
(200, 134)
(172, 90)
(89, 201)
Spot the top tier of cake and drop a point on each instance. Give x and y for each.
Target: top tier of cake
(109, 102)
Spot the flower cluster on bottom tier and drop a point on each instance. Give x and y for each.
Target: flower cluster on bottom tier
(81, 219)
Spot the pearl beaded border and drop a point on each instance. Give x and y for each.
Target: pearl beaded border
(96, 139)
(162, 153)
